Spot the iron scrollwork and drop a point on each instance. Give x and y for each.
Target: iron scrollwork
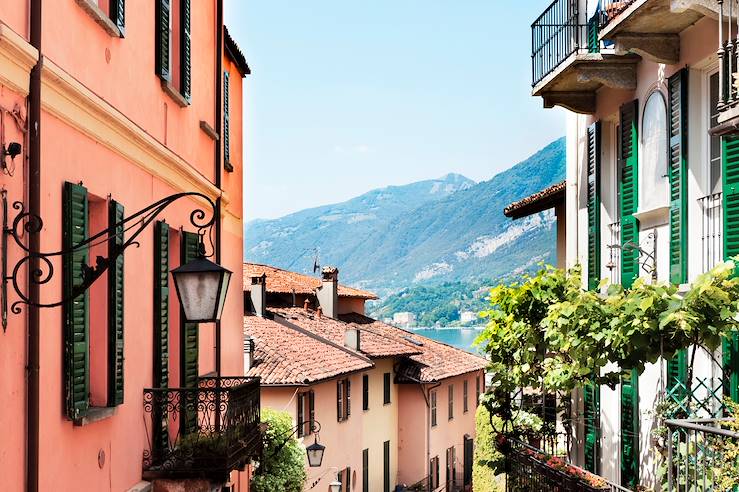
(26, 223)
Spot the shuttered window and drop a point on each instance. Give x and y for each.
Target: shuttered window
(227, 121)
(465, 405)
(162, 40)
(306, 413)
(185, 48)
(386, 382)
(677, 375)
(76, 310)
(365, 392)
(365, 470)
(433, 408)
(630, 429)
(628, 163)
(166, 60)
(115, 307)
(591, 407)
(730, 183)
(593, 198)
(161, 328)
(450, 402)
(434, 473)
(118, 14)
(343, 399)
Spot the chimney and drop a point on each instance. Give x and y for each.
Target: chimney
(319, 312)
(351, 339)
(248, 353)
(258, 295)
(328, 292)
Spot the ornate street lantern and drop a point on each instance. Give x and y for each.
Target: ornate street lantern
(201, 289)
(315, 454)
(335, 486)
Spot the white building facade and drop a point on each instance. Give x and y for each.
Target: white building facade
(652, 160)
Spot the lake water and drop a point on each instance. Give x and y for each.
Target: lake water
(457, 337)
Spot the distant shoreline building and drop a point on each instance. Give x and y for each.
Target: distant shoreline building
(405, 319)
(468, 316)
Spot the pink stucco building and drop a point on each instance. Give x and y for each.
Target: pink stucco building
(115, 105)
(394, 408)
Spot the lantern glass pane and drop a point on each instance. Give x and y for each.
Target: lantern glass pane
(198, 291)
(224, 289)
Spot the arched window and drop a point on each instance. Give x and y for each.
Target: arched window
(654, 186)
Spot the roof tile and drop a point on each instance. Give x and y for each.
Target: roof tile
(285, 282)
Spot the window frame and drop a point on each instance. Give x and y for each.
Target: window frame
(450, 402)
(343, 399)
(306, 405)
(386, 388)
(434, 408)
(365, 392)
(465, 389)
(112, 21)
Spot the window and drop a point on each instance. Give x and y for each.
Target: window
(93, 321)
(386, 466)
(173, 48)
(306, 413)
(386, 388)
(345, 477)
(434, 473)
(654, 180)
(227, 122)
(365, 392)
(465, 408)
(477, 391)
(433, 408)
(451, 401)
(365, 470)
(451, 473)
(109, 14)
(343, 400)
(715, 144)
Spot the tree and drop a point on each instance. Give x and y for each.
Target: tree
(283, 466)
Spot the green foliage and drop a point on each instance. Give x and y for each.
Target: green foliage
(547, 332)
(282, 470)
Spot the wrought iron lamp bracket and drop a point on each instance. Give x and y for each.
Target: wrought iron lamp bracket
(26, 223)
(649, 265)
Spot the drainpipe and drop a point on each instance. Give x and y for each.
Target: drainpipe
(34, 244)
(218, 167)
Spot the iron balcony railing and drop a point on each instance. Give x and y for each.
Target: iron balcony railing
(610, 9)
(206, 432)
(695, 455)
(529, 469)
(728, 48)
(712, 230)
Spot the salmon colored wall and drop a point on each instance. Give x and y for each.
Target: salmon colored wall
(120, 71)
(13, 340)
(15, 16)
(233, 181)
(379, 423)
(415, 420)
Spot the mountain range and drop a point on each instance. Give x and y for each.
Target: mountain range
(417, 236)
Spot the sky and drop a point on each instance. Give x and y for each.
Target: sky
(348, 96)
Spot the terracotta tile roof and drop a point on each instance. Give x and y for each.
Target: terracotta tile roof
(436, 361)
(234, 52)
(538, 202)
(285, 282)
(285, 356)
(373, 343)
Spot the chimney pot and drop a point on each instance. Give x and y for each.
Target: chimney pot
(351, 339)
(306, 304)
(319, 311)
(328, 292)
(258, 294)
(248, 353)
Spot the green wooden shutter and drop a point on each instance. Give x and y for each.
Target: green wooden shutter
(161, 329)
(339, 398)
(189, 250)
(348, 398)
(227, 121)
(161, 25)
(678, 117)
(593, 191)
(386, 466)
(161, 305)
(365, 470)
(312, 410)
(628, 158)
(630, 429)
(677, 375)
(189, 340)
(185, 51)
(730, 183)
(77, 310)
(591, 397)
(118, 15)
(115, 308)
(301, 417)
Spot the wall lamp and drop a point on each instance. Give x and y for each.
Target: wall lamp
(649, 265)
(201, 284)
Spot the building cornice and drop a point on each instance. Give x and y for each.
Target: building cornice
(69, 100)
(17, 57)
